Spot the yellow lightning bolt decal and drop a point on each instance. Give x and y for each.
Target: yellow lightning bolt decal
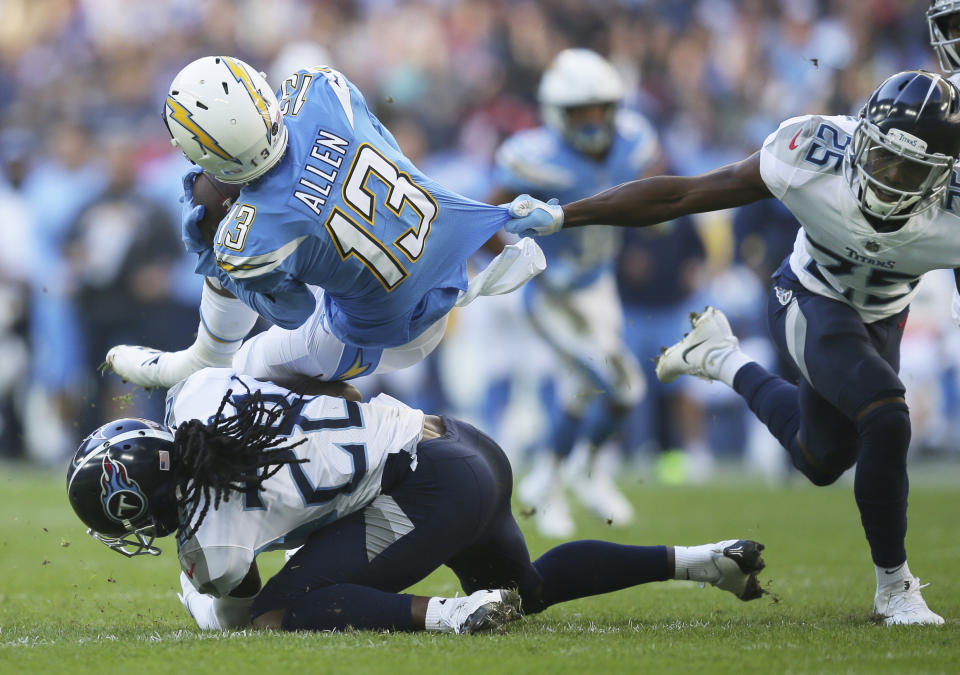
(184, 117)
(243, 77)
(356, 369)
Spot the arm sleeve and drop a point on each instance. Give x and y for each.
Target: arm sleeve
(782, 151)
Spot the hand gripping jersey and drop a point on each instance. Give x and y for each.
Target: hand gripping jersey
(347, 446)
(345, 210)
(541, 163)
(837, 253)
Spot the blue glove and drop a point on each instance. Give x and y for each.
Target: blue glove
(191, 215)
(531, 217)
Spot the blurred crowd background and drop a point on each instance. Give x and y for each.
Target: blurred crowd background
(90, 254)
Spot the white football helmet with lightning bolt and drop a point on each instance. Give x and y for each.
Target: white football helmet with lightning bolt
(224, 116)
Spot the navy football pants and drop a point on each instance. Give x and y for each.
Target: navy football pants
(453, 510)
(847, 409)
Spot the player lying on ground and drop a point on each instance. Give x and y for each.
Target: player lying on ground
(336, 237)
(877, 199)
(377, 495)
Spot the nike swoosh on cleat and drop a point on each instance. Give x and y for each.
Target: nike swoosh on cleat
(689, 349)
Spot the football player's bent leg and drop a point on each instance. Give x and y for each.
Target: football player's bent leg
(845, 365)
(351, 572)
(499, 557)
(312, 351)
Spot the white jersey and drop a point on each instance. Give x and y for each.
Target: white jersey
(346, 448)
(837, 253)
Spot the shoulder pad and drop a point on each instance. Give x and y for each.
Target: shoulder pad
(528, 159)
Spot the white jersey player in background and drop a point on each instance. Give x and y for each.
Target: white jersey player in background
(374, 496)
(877, 197)
(588, 142)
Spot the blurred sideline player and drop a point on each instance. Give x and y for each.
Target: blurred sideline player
(336, 238)
(877, 200)
(587, 143)
(378, 495)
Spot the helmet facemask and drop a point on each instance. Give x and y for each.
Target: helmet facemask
(140, 539)
(943, 20)
(891, 175)
(579, 94)
(588, 128)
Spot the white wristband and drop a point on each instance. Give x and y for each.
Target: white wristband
(955, 308)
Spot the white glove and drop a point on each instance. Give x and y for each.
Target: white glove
(198, 605)
(955, 308)
(531, 217)
(212, 613)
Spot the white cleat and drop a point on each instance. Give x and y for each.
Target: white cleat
(731, 565)
(552, 516)
(150, 368)
(603, 498)
(701, 350)
(902, 604)
(739, 562)
(480, 611)
(536, 485)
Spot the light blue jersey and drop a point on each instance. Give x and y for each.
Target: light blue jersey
(541, 163)
(345, 210)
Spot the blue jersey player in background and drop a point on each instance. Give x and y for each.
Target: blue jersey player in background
(588, 142)
(336, 237)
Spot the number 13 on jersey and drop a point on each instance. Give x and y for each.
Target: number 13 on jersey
(352, 238)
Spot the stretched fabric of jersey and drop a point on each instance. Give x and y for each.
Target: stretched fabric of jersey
(347, 211)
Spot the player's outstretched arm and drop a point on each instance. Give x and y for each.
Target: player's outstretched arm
(646, 202)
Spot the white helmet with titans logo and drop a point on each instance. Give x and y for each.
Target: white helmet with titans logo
(226, 119)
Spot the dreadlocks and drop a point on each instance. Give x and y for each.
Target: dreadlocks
(228, 453)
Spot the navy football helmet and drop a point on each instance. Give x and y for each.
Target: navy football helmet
(121, 484)
(905, 146)
(943, 19)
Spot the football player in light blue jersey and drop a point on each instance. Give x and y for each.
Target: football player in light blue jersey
(336, 237)
(588, 142)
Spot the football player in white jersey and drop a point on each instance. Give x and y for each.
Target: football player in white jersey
(877, 197)
(375, 496)
(943, 20)
(588, 142)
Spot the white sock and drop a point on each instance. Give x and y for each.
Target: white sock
(224, 322)
(695, 563)
(729, 364)
(887, 576)
(435, 610)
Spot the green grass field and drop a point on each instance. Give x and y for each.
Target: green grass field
(68, 603)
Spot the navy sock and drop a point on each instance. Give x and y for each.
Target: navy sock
(581, 568)
(881, 484)
(341, 605)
